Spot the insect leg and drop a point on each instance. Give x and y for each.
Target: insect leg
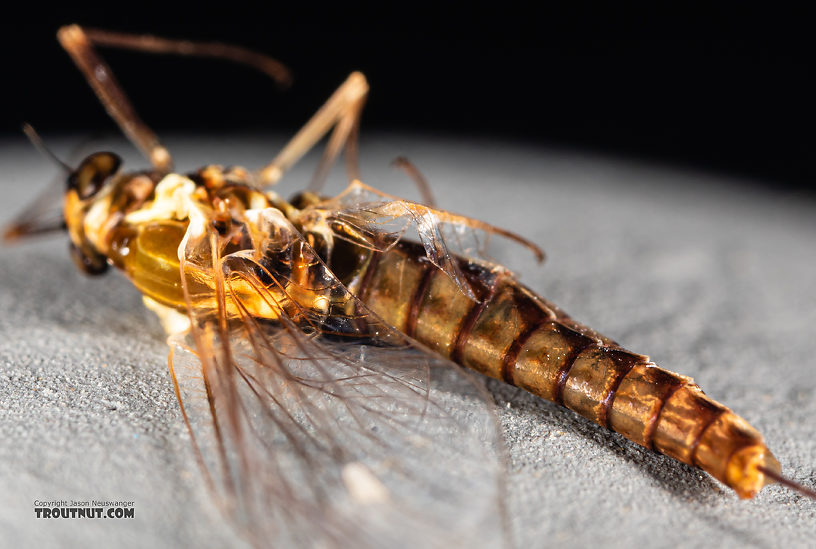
(342, 112)
(154, 44)
(413, 172)
(344, 133)
(79, 43)
(98, 74)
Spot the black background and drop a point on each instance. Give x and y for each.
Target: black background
(729, 89)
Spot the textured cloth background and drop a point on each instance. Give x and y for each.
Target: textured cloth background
(710, 277)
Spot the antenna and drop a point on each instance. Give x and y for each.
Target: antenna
(36, 218)
(37, 141)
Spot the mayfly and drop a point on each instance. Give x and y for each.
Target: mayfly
(305, 333)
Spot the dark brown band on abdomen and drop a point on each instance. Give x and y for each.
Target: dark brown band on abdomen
(625, 362)
(706, 426)
(416, 300)
(578, 343)
(511, 356)
(371, 268)
(473, 315)
(652, 425)
(682, 422)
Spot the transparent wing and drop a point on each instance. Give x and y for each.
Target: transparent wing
(378, 221)
(316, 423)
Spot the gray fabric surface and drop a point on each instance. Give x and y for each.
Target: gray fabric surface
(710, 277)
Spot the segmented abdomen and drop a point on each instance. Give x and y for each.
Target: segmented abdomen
(514, 335)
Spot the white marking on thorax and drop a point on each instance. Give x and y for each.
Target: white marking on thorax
(173, 194)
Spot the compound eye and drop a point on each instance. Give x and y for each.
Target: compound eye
(93, 172)
(90, 263)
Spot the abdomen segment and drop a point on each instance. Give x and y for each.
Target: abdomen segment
(513, 335)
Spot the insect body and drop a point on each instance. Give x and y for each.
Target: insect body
(498, 327)
(266, 289)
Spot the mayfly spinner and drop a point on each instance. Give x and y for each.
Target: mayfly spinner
(301, 331)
